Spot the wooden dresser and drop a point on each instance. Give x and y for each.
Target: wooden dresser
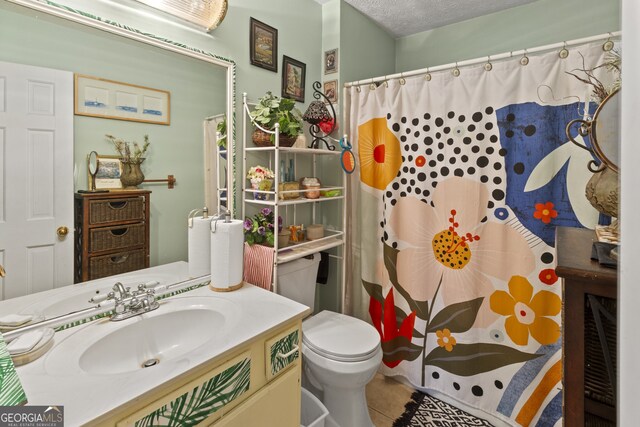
(111, 233)
(589, 331)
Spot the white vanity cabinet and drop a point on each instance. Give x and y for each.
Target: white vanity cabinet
(256, 385)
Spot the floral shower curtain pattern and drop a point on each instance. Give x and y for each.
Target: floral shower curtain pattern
(461, 182)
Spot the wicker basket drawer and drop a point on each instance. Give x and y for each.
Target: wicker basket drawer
(121, 262)
(118, 237)
(111, 210)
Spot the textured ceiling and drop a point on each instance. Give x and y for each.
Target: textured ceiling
(405, 17)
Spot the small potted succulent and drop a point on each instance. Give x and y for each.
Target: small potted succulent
(270, 110)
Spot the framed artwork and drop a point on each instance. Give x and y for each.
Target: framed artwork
(108, 173)
(293, 79)
(108, 99)
(331, 61)
(263, 41)
(331, 90)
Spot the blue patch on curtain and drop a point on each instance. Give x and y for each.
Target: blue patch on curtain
(525, 375)
(529, 132)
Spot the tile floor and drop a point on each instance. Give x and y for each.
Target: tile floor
(386, 399)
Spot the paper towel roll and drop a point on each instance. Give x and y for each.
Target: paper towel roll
(199, 246)
(227, 252)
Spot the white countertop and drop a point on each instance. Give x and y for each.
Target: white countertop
(88, 396)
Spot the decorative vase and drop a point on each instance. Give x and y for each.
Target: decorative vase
(132, 175)
(263, 185)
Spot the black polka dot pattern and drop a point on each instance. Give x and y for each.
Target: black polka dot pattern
(450, 144)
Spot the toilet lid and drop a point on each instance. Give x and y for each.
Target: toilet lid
(340, 337)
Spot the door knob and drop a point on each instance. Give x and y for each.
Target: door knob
(62, 231)
(2, 272)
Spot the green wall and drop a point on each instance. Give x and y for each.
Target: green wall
(534, 24)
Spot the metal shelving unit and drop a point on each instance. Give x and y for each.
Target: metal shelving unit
(334, 238)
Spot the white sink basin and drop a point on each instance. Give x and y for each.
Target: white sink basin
(164, 336)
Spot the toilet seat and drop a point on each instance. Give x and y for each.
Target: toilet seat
(339, 337)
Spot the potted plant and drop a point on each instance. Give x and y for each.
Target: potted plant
(261, 228)
(270, 110)
(221, 130)
(131, 160)
(261, 178)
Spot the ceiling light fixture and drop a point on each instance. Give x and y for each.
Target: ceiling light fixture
(205, 13)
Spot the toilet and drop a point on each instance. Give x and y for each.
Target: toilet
(340, 354)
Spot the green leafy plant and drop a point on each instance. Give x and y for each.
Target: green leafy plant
(261, 228)
(272, 109)
(124, 149)
(221, 128)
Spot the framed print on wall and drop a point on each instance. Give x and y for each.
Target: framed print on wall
(331, 61)
(293, 79)
(108, 99)
(331, 90)
(263, 41)
(108, 173)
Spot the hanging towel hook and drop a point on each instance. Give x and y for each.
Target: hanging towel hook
(402, 81)
(608, 45)
(456, 71)
(525, 59)
(564, 52)
(488, 66)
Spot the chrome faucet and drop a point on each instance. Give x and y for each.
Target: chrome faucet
(131, 303)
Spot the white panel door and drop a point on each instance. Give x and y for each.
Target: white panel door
(36, 178)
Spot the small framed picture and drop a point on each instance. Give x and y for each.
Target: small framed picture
(331, 61)
(331, 90)
(263, 45)
(108, 173)
(293, 79)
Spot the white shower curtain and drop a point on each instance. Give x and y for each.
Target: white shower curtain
(460, 183)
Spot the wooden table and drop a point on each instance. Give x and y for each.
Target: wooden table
(589, 330)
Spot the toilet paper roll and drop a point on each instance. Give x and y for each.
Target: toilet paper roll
(199, 246)
(227, 251)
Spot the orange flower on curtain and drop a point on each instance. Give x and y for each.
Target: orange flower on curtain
(527, 312)
(545, 212)
(451, 242)
(379, 153)
(445, 339)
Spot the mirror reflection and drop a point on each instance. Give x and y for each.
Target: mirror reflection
(41, 54)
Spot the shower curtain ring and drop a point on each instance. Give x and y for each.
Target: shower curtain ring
(488, 66)
(564, 52)
(402, 81)
(525, 59)
(386, 82)
(358, 88)
(456, 71)
(427, 76)
(608, 45)
(372, 85)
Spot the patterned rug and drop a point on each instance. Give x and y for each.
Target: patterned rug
(427, 411)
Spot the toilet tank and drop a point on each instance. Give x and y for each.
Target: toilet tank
(297, 280)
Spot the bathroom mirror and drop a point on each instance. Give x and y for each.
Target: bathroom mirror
(605, 131)
(201, 84)
(92, 167)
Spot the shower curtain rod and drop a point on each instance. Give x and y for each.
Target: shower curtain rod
(484, 59)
